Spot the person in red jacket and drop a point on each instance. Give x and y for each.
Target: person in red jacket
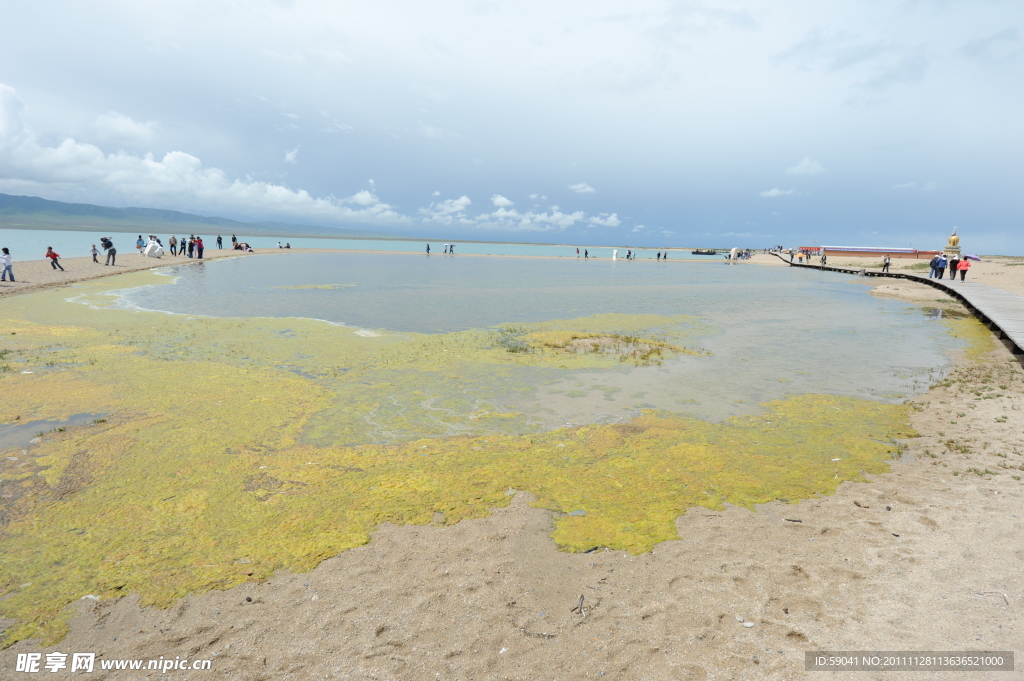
(199, 247)
(53, 256)
(962, 268)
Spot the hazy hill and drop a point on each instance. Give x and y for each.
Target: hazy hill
(32, 212)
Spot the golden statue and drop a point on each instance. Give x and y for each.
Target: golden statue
(953, 245)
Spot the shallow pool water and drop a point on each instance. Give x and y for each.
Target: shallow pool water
(770, 331)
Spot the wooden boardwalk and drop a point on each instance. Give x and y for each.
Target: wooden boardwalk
(1000, 310)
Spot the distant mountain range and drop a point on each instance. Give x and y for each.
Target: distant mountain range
(32, 212)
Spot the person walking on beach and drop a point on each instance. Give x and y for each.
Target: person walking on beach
(940, 266)
(140, 244)
(954, 264)
(885, 263)
(94, 254)
(54, 257)
(451, 249)
(964, 265)
(173, 243)
(191, 244)
(5, 260)
(931, 266)
(577, 252)
(220, 243)
(586, 253)
(428, 249)
(199, 247)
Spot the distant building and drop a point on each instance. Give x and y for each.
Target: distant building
(877, 252)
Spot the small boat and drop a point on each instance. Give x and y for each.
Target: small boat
(704, 251)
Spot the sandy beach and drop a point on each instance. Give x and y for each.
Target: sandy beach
(925, 557)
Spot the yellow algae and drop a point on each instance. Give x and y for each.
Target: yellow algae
(976, 335)
(233, 448)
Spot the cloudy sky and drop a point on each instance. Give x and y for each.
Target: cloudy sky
(638, 122)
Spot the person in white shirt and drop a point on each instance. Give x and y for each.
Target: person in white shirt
(5, 260)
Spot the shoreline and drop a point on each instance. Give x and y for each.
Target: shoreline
(856, 570)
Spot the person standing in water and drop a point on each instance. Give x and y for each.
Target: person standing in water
(5, 260)
(54, 257)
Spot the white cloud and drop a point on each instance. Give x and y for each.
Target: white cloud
(533, 196)
(291, 156)
(436, 194)
(924, 186)
(605, 220)
(807, 166)
(582, 188)
(447, 212)
(177, 179)
(777, 192)
(500, 201)
(639, 228)
(453, 212)
(116, 128)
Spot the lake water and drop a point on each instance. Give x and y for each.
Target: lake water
(771, 331)
(29, 244)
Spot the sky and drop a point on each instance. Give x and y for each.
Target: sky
(644, 123)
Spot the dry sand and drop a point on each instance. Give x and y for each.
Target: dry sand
(928, 556)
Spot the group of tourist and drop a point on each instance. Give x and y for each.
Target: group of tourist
(955, 264)
(192, 246)
(449, 249)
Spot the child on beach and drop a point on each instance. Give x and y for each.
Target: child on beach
(5, 260)
(54, 257)
(94, 254)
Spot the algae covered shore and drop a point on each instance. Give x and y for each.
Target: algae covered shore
(225, 450)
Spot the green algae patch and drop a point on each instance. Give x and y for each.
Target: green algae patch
(233, 448)
(639, 351)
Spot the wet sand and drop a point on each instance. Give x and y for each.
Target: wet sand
(925, 557)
